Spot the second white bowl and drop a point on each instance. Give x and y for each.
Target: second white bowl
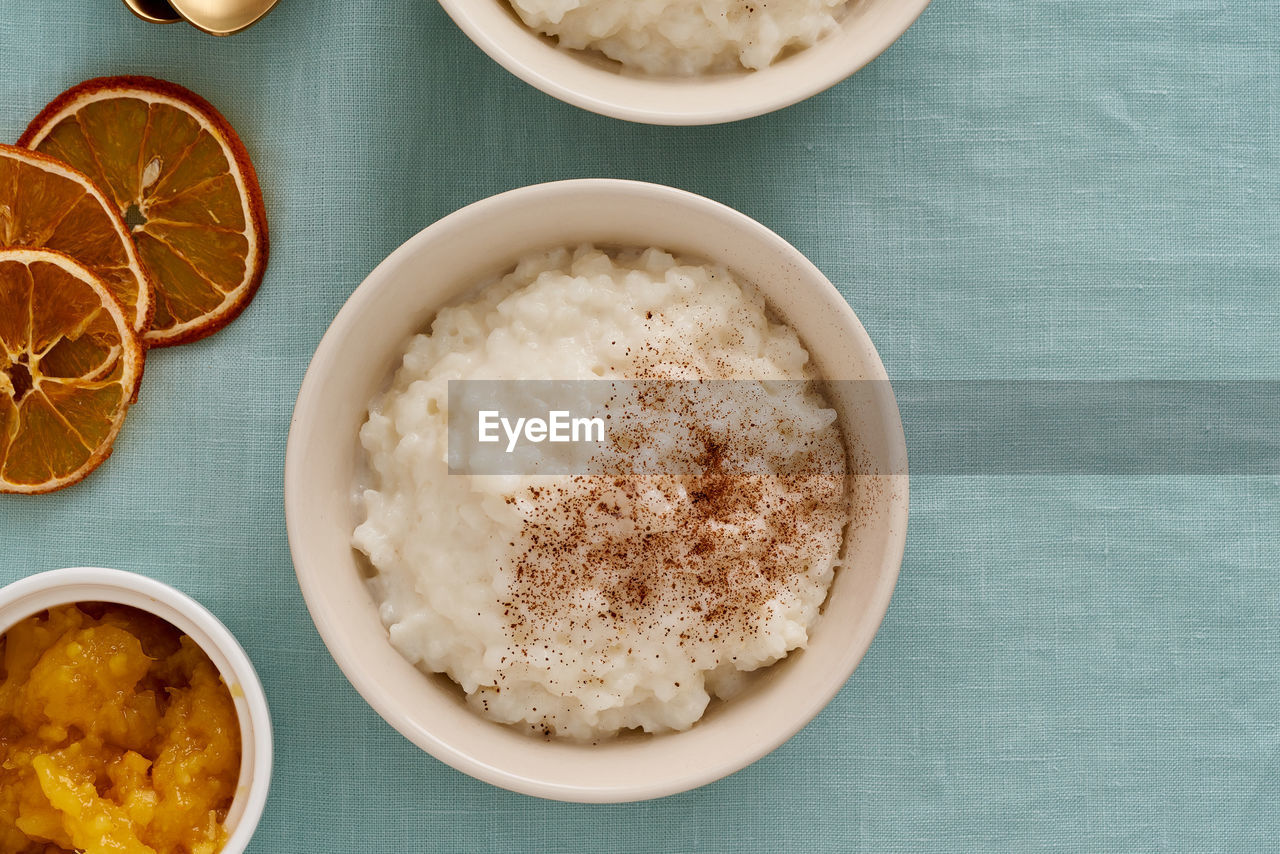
(602, 86)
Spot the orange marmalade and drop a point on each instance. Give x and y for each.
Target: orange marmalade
(117, 734)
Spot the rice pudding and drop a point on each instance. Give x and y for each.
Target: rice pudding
(684, 37)
(579, 606)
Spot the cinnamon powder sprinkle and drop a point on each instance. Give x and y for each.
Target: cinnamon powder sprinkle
(697, 557)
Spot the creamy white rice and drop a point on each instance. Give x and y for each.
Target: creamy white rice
(583, 606)
(684, 37)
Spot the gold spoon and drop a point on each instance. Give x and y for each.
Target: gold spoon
(222, 17)
(155, 11)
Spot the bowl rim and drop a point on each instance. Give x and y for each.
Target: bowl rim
(383, 700)
(43, 590)
(714, 108)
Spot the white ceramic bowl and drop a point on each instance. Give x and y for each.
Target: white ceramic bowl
(600, 85)
(45, 590)
(355, 360)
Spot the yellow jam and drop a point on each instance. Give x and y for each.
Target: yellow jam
(117, 734)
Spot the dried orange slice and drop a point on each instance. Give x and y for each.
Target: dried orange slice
(69, 365)
(181, 178)
(44, 203)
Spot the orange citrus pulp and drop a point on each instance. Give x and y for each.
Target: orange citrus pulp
(119, 735)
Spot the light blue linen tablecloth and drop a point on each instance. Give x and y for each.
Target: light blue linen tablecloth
(1039, 189)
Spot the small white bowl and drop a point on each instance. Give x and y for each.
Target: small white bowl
(44, 590)
(600, 85)
(355, 360)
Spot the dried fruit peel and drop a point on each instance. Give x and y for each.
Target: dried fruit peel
(44, 203)
(70, 364)
(180, 175)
